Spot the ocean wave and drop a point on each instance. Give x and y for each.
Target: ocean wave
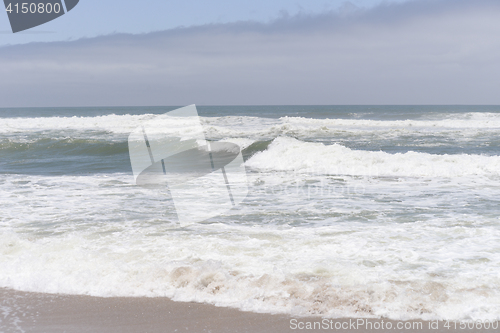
(110, 123)
(289, 154)
(309, 128)
(242, 126)
(302, 242)
(322, 272)
(62, 146)
(467, 120)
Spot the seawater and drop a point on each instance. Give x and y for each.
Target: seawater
(353, 211)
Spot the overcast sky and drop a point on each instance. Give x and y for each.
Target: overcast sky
(419, 52)
(92, 18)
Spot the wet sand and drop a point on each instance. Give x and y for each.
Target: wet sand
(35, 312)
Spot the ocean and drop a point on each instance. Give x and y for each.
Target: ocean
(352, 211)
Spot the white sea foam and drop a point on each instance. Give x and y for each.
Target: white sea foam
(102, 236)
(326, 230)
(288, 154)
(112, 123)
(322, 271)
(459, 127)
(255, 127)
(464, 120)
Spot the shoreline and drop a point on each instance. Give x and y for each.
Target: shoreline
(37, 312)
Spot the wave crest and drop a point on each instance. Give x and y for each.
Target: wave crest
(289, 154)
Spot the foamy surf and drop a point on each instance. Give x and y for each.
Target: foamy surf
(288, 154)
(336, 271)
(355, 216)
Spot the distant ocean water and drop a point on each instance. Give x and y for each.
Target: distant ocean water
(353, 211)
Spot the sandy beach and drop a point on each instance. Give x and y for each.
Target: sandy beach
(36, 312)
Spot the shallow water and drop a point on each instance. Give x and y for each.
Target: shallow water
(352, 211)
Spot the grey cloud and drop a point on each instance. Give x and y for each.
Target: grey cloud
(421, 52)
